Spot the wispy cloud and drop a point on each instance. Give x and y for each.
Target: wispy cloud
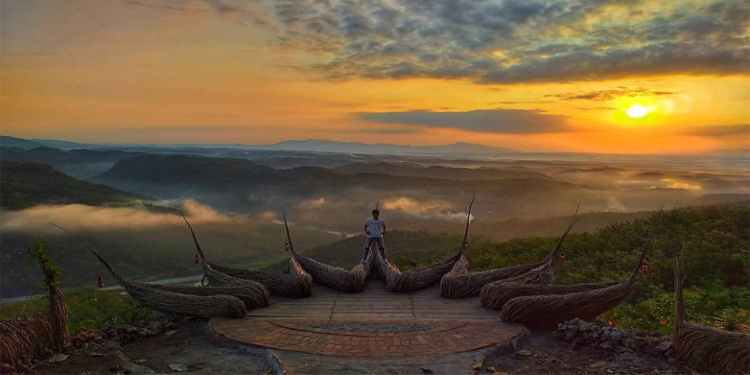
(736, 130)
(605, 95)
(84, 217)
(425, 209)
(512, 121)
(242, 12)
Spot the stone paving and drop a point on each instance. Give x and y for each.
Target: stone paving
(374, 323)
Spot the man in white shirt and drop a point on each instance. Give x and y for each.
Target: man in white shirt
(374, 231)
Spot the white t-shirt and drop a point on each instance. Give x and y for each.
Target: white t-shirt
(375, 228)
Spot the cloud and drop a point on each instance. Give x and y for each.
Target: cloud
(242, 12)
(176, 6)
(721, 131)
(93, 218)
(606, 95)
(313, 203)
(672, 183)
(511, 121)
(425, 209)
(494, 41)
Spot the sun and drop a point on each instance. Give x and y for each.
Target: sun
(637, 111)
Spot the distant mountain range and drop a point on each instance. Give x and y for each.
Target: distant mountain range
(311, 145)
(28, 144)
(459, 148)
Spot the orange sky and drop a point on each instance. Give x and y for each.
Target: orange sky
(183, 71)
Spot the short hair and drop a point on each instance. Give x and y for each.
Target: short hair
(376, 211)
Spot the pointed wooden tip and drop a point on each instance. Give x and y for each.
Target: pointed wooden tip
(464, 243)
(558, 247)
(197, 244)
(289, 243)
(106, 265)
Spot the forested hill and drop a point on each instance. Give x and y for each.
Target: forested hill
(25, 184)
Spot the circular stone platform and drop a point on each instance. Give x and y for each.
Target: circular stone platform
(374, 323)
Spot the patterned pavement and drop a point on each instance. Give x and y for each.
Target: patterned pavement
(374, 323)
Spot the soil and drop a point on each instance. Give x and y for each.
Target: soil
(544, 353)
(190, 348)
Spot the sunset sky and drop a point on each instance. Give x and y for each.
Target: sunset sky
(563, 75)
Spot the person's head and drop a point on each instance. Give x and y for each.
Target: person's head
(375, 213)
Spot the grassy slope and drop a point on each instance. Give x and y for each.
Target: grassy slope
(716, 242)
(716, 247)
(163, 251)
(87, 309)
(26, 184)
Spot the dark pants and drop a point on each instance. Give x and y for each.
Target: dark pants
(370, 243)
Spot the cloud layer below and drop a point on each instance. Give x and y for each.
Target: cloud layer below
(91, 218)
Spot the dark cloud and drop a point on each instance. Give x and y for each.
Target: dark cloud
(721, 131)
(512, 121)
(605, 95)
(244, 12)
(493, 41)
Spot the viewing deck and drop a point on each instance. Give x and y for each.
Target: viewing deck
(374, 323)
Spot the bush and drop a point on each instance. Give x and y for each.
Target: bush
(87, 308)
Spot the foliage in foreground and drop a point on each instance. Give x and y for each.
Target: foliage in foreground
(716, 245)
(87, 309)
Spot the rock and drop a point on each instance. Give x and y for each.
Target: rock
(477, 366)
(170, 332)
(177, 367)
(59, 357)
(130, 367)
(664, 346)
(524, 353)
(426, 370)
(599, 364)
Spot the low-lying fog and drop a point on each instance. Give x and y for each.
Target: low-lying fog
(242, 222)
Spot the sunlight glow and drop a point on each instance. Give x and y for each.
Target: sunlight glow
(637, 111)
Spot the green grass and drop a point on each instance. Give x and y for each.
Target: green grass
(715, 243)
(87, 309)
(716, 247)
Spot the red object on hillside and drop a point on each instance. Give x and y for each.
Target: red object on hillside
(645, 268)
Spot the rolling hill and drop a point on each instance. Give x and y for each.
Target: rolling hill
(79, 163)
(25, 184)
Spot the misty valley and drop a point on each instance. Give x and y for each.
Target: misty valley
(127, 202)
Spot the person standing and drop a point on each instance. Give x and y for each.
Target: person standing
(374, 231)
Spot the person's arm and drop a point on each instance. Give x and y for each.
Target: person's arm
(384, 228)
(365, 229)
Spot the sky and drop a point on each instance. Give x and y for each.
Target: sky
(603, 76)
